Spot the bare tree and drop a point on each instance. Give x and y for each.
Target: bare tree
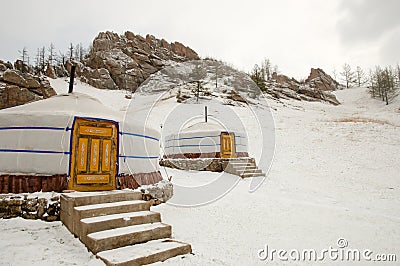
(266, 67)
(334, 73)
(42, 59)
(76, 52)
(51, 57)
(347, 75)
(361, 78)
(258, 76)
(37, 62)
(62, 58)
(383, 84)
(24, 57)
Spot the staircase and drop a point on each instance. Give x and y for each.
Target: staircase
(119, 227)
(243, 167)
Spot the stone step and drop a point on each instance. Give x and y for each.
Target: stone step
(146, 253)
(251, 175)
(93, 210)
(125, 236)
(249, 171)
(242, 163)
(89, 198)
(106, 222)
(245, 168)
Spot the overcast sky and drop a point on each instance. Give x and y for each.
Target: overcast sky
(295, 34)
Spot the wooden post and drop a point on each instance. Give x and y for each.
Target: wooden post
(71, 79)
(205, 112)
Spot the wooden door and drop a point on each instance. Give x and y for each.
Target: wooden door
(93, 155)
(228, 149)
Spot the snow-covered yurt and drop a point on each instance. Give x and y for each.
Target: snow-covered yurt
(73, 141)
(206, 140)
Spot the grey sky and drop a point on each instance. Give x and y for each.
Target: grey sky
(295, 34)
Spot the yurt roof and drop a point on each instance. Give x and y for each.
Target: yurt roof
(204, 126)
(77, 104)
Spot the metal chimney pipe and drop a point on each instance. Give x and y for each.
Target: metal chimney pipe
(71, 79)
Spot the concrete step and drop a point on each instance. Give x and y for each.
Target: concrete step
(106, 222)
(250, 171)
(125, 236)
(88, 198)
(251, 175)
(93, 210)
(241, 164)
(146, 253)
(252, 168)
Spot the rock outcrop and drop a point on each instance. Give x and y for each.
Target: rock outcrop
(18, 87)
(125, 61)
(317, 87)
(322, 81)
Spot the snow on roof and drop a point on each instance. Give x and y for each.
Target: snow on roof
(66, 104)
(204, 126)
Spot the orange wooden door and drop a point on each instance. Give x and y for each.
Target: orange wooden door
(93, 155)
(228, 145)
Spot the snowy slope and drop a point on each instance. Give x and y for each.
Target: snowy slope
(331, 178)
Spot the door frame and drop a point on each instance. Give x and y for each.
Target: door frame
(74, 139)
(233, 145)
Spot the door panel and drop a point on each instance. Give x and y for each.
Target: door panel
(228, 149)
(82, 154)
(94, 153)
(105, 165)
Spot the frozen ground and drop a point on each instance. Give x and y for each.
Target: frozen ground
(331, 178)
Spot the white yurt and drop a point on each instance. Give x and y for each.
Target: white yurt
(73, 141)
(206, 140)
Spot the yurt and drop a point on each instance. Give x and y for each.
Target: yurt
(206, 140)
(74, 142)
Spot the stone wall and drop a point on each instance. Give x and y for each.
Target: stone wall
(210, 164)
(29, 207)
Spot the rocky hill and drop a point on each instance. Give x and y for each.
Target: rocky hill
(125, 61)
(317, 87)
(18, 86)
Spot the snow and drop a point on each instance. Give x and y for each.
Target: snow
(124, 216)
(125, 254)
(107, 205)
(125, 230)
(335, 175)
(35, 242)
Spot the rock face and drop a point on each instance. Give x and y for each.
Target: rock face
(317, 87)
(18, 88)
(322, 81)
(125, 61)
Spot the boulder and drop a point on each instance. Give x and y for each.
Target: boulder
(21, 66)
(50, 72)
(99, 78)
(31, 81)
(7, 65)
(14, 77)
(320, 80)
(13, 95)
(2, 67)
(78, 67)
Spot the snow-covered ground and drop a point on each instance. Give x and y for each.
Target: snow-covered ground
(331, 178)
